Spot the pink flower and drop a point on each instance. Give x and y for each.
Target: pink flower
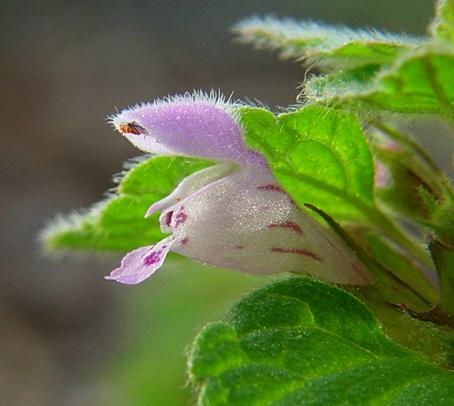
(233, 214)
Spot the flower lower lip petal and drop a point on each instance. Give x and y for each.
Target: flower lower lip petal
(141, 263)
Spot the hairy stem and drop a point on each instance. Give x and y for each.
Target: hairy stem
(407, 141)
(398, 235)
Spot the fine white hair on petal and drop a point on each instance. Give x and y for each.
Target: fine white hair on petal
(215, 97)
(197, 124)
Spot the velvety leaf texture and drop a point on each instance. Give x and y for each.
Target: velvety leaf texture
(443, 25)
(300, 341)
(319, 156)
(118, 223)
(420, 82)
(328, 47)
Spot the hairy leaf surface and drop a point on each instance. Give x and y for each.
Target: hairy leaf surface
(420, 82)
(300, 341)
(328, 47)
(443, 25)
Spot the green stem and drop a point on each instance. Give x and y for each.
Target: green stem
(401, 266)
(430, 173)
(395, 233)
(431, 340)
(403, 139)
(391, 287)
(376, 217)
(439, 91)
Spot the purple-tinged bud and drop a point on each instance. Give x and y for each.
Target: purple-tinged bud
(191, 125)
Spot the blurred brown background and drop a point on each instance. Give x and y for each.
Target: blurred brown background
(67, 337)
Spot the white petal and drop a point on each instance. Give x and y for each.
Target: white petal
(246, 222)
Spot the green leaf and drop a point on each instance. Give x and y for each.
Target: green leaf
(323, 87)
(319, 156)
(421, 81)
(443, 25)
(118, 223)
(328, 47)
(302, 342)
(410, 286)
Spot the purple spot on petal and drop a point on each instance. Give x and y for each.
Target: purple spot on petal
(152, 259)
(184, 241)
(181, 217)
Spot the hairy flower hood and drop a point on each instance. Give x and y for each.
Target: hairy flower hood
(232, 214)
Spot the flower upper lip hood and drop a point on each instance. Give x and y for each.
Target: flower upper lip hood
(191, 125)
(232, 214)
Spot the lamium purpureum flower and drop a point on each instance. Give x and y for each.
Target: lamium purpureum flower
(232, 214)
